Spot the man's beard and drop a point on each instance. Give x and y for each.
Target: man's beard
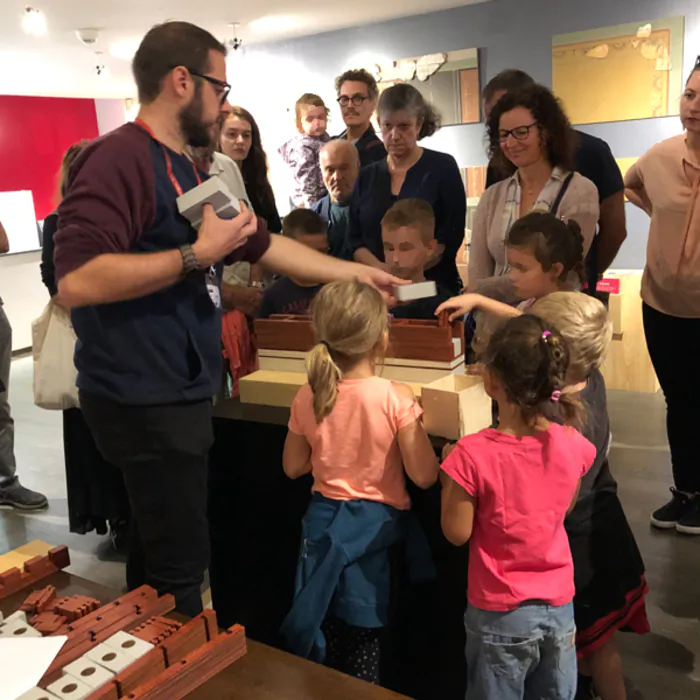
(197, 133)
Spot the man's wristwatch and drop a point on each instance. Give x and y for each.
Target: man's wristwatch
(190, 263)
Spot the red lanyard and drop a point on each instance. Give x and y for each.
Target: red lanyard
(168, 162)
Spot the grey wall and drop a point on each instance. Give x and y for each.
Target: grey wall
(509, 34)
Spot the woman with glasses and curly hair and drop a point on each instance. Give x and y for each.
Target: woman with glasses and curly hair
(531, 141)
(240, 140)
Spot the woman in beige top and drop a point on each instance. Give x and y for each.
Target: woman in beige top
(665, 183)
(531, 139)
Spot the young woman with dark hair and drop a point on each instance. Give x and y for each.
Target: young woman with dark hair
(240, 140)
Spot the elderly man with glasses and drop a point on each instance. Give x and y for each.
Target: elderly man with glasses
(357, 96)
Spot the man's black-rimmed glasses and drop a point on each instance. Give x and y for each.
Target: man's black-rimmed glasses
(220, 86)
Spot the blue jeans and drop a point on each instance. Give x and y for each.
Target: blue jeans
(524, 654)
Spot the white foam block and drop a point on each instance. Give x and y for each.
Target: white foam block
(70, 688)
(89, 672)
(112, 659)
(128, 644)
(213, 192)
(18, 630)
(419, 290)
(37, 694)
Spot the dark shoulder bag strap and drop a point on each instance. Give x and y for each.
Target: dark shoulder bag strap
(554, 209)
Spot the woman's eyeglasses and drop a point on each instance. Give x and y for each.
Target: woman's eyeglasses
(357, 100)
(520, 133)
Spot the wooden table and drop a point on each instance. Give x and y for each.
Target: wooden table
(262, 674)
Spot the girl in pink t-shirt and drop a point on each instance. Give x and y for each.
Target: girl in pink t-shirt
(358, 435)
(508, 490)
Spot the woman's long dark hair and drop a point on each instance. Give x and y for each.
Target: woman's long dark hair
(254, 167)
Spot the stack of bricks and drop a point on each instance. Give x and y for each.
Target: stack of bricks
(123, 650)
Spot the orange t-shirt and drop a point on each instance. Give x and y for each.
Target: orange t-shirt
(355, 451)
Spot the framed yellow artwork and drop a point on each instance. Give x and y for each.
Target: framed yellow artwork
(632, 71)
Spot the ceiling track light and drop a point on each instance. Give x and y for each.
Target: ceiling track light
(234, 43)
(33, 22)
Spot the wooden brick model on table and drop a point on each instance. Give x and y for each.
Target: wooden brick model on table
(123, 650)
(410, 339)
(34, 570)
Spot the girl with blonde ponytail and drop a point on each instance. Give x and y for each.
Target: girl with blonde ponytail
(358, 435)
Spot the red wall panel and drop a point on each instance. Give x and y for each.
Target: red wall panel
(34, 134)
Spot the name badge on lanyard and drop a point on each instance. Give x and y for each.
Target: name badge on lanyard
(210, 277)
(213, 289)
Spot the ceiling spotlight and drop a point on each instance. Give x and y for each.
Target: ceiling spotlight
(33, 22)
(87, 35)
(234, 43)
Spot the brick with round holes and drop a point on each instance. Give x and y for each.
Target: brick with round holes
(18, 630)
(112, 659)
(89, 672)
(127, 643)
(37, 694)
(19, 616)
(69, 688)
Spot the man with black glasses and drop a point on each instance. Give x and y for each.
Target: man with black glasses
(357, 96)
(145, 293)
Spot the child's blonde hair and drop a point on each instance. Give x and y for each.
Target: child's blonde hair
(308, 99)
(583, 322)
(350, 322)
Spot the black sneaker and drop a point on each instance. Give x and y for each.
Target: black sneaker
(22, 498)
(689, 522)
(668, 516)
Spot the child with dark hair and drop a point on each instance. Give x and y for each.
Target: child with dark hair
(544, 254)
(508, 489)
(301, 153)
(292, 296)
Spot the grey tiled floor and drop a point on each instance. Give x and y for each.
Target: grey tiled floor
(39, 455)
(664, 665)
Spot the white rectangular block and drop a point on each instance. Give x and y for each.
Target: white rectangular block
(213, 192)
(128, 644)
(37, 694)
(419, 290)
(18, 630)
(70, 688)
(112, 659)
(89, 672)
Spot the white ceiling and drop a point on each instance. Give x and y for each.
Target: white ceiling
(59, 65)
